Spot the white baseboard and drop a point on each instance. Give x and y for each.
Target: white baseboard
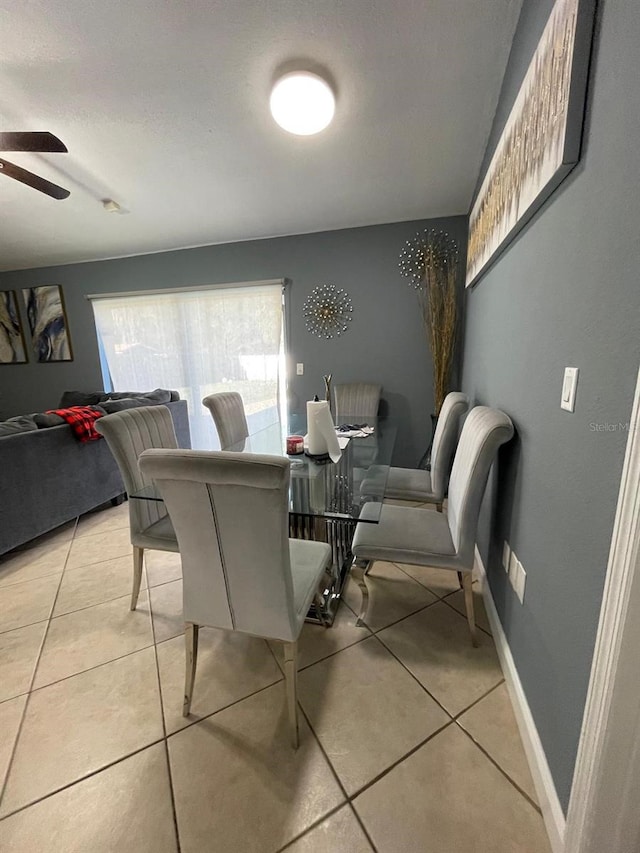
(552, 813)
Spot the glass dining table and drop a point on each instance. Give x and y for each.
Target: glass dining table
(326, 498)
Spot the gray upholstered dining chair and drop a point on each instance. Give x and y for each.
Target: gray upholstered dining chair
(421, 537)
(356, 398)
(241, 572)
(227, 410)
(128, 433)
(416, 484)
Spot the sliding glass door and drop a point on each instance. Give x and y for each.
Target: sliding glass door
(198, 342)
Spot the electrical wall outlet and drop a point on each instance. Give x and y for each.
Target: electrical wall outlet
(517, 574)
(506, 556)
(300, 369)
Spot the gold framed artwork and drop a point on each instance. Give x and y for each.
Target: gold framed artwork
(48, 323)
(12, 347)
(541, 140)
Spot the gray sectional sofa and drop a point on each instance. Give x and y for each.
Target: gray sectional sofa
(48, 477)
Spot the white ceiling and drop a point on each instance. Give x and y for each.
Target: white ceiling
(163, 105)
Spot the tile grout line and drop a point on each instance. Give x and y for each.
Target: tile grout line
(5, 781)
(400, 760)
(475, 702)
(315, 736)
(364, 829)
(224, 708)
(437, 701)
(97, 603)
(463, 616)
(402, 618)
(81, 779)
(165, 741)
(311, 827)
(321, 819)
(453, 717)
(29, 624)
(425, 607)
(498, 767)
(31, 690)
(91, 668)
(444, 597)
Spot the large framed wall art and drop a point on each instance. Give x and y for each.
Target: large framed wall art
(48, 323)
(12, 348)
(541, 140)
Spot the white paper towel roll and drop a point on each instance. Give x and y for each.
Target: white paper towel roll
(321, 431)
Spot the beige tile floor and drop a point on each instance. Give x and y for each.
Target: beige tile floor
(408, 740)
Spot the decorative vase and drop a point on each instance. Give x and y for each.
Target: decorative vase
(327, 389)
(425, 462)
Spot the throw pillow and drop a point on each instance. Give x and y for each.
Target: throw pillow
(79, 398)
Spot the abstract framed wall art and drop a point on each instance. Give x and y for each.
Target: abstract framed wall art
(541, 140)
(12, 348)
(48, 323)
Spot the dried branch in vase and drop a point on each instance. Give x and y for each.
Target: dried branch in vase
(430, 261)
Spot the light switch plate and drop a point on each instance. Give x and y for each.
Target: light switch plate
(569, 386)
(300, 369)
(506, 556)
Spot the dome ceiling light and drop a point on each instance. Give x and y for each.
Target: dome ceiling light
(302, 103)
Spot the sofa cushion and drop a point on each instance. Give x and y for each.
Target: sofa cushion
(148, 398)
(79, 398)
(111, 406)
(21, 423)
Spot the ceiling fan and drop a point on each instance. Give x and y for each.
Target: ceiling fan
(32, 141)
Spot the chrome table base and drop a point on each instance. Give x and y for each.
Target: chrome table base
(339, 534)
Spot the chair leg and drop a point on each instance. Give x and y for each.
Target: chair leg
(359, 569)
(138, 553)
(467, 581)
(291, 684)
(191, 649)
(460, 580)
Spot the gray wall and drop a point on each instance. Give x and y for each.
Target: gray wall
(386, 342)
(565, 293)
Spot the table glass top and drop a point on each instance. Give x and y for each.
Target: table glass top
(322, 488)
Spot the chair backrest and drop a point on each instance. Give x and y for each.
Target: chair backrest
(483, 432)
(230, 515)
(228, 414)
(444, 440)
(357, 398)
(128, 433)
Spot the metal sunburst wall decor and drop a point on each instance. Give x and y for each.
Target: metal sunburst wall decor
(327, 311)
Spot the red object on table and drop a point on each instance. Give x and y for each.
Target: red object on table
(295, 444)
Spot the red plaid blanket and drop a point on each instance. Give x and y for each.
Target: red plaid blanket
(81, 419)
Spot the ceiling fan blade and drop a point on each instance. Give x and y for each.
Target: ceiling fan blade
(40, 141)
(35, 181)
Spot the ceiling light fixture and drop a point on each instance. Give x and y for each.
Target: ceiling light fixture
(302, 103)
